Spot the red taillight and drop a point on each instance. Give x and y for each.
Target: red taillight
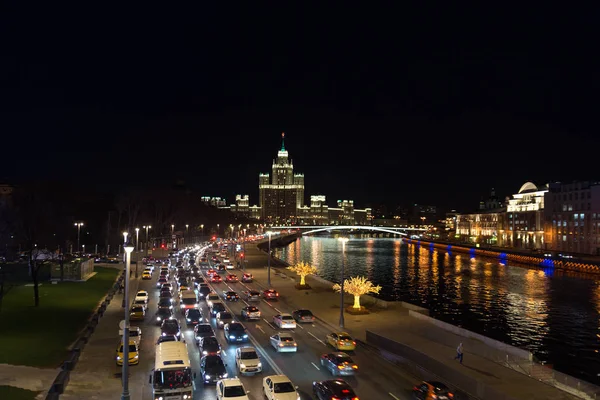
(335, 398)
(451, 395)
(354, 343)
(355, 398)
(355, 367)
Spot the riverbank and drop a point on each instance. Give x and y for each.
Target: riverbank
(423, 347)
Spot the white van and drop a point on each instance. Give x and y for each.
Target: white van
(188, 300)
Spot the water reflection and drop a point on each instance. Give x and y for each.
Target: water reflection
(551, 313)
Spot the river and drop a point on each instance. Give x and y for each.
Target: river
(553, 314)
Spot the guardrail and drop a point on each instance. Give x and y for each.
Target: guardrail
(62, 379)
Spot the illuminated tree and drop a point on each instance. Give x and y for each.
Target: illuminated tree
(303, 269)
(357, 286)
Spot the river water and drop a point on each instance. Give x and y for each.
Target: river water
(553, 314)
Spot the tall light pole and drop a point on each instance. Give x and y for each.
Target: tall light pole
(202, 227)
(125, 395)
(137, 250)
(269, 261)
(244, 259)
(187, 230)
(78, 225)
(217, 229)
(124, 303)
(343, 240)
(146, 228)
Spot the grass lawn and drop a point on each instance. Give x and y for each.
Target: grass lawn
(14, 393)
(39, 337)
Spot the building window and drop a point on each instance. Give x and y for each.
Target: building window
(564, 238)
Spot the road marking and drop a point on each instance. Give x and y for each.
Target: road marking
(393, 396)
(318, 369)
(268, 323)
(277, 310)
(260, 329)
(299, 326)
(270, 305)
(310, 333)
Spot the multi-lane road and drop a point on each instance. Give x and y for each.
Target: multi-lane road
(376, 378)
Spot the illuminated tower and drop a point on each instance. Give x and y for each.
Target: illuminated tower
(284, 194)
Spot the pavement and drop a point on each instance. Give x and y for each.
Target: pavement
(395, 323)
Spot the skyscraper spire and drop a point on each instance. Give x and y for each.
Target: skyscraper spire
(282, 141)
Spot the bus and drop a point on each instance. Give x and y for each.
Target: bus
(172, 376)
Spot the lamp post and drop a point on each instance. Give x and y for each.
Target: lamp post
(137, 250)
(126, 268)
(125, 395)
(187, 230)
(78, 225)
(217, 229)
(244, 259)
(343, 240)
(202, 227)
(146, 228)
(269, 261)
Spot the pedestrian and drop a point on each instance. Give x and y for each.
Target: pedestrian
(459, 353)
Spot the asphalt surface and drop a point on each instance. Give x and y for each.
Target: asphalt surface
(375, 379)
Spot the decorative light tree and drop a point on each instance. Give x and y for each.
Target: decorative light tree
(303, 269)
(357, 286)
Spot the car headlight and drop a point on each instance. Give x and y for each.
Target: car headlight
(206, 376)
(245, 336)
(205, 353)
(119, 358)
(231, 337)
(259, 365)
(224, 375)
(158, 318)
(188, 320)
(242, 365)
(136, 356)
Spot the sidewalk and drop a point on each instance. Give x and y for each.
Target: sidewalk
(95, 376)
(395, 323)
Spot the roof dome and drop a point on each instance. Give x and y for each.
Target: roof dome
(528, 187)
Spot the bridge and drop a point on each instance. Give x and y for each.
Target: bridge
(306, 230)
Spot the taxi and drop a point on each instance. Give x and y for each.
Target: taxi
(137, 313)
(429, 390)
(134, 354)
(341, 341)
(147, 275)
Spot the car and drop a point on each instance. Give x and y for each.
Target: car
(141, 302)
(250, 312)
(229, 265)
(235, 332)
(203, 291)
(170, 327)
(160, 282)
(216, 279)
(212, 368)
(247, 278)
(252, 295)
(198, 280)
(270, 294)
(231, 278)
(163, 314)
(137, 313)
(167, 338)
(142, 295)
(168, 285)
(339, 363)
(283, 342)
(164, 291)
(165, 302)
(193, 316)
(134, 353)
(247, 360)
(333, 389)
(231, 296)
(341, 341)
(185, 286)
(166, 294)
(147, 275)
(211, 272)
(226, 260)
(279, 387)
(222, 318)
(209, 345)
(135, 334)
(211, 297)
(216, 308)
(428, 390)
(303, 316)
(202, 330)
(284, 321)
(231, 389)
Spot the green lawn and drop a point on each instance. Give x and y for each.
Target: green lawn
(39, 336)
(13, 393)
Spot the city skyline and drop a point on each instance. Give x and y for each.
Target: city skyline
(415, 112)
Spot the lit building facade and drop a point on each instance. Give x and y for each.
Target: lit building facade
(523, 225)
(214, 201)
(572, 217)
(281, 195)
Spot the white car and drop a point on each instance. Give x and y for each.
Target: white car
(212, 297)
(231, 389)
(226, 260)
(246, 360)
(141, 295)
(279, 387)
(284, 321)
(229, 265)
(135, 334)
(284, 342)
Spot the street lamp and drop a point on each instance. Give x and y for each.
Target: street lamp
(343, 240)
(269, 261)
(146, 228)
(202, 227)
(137, 250)
(78, 225)
(217, 229)
(128, 249)
(187, 226)
(244, 259)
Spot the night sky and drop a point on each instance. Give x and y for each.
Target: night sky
(380, 105)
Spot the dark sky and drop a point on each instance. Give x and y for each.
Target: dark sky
(380, 104)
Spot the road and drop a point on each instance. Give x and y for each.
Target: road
(376, 378)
